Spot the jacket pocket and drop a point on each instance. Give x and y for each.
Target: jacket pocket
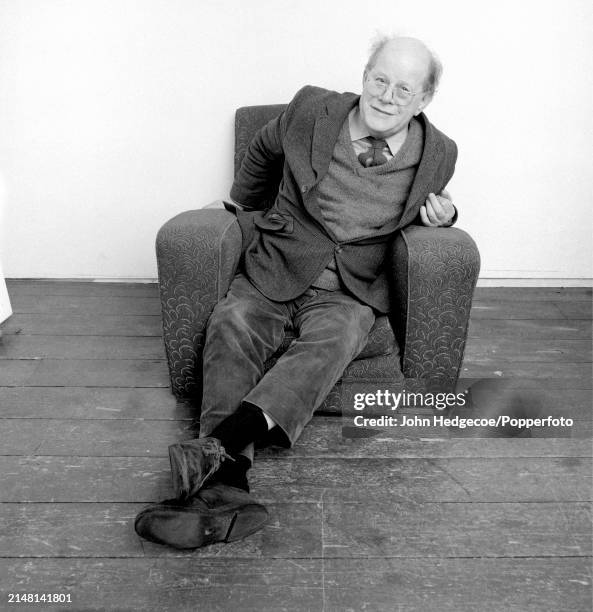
(275, 222)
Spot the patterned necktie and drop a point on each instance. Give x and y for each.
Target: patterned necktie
(374, 156)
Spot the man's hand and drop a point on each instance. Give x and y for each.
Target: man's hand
(438, 211)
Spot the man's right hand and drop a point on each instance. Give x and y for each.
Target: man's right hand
(438, 211)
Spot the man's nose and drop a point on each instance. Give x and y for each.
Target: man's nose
(387, 95)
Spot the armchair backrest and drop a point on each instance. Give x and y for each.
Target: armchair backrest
(248, 120)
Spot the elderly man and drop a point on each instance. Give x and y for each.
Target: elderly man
(353, 170)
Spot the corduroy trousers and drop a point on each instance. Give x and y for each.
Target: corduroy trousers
(245, 330)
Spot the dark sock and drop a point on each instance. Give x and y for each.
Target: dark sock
(243, 427)
(234, 473)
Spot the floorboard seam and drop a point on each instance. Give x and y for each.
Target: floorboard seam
(311, 558)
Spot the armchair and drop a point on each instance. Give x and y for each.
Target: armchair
(434, 272)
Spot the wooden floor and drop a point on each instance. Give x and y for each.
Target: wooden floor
(402, 521)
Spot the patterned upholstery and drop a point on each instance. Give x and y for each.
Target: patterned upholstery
(434, 272)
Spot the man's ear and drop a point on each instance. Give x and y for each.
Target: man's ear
(426, 99)
(364, 76)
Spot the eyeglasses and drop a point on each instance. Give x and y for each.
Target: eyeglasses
(402, 94)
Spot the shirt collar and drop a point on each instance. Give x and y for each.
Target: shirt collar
(358, 130)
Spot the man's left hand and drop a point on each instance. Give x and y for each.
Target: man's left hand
(438, 211)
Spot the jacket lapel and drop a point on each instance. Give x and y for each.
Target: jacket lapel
(421, 187)
(326, 131)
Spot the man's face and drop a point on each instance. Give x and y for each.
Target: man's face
(401, 63)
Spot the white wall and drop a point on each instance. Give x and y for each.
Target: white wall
(117, 114)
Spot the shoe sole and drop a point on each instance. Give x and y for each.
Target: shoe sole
(193, 528)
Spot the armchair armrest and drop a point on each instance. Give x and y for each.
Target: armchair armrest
(197, 254)
(435, 271)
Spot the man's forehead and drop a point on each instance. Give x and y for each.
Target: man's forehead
(407, 57)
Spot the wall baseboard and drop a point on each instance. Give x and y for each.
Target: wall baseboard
(482, 282)
(87, 279)
(535, 282)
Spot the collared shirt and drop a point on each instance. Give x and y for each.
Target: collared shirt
(359, 134)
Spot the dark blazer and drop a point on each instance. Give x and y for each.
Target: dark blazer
(287, 244)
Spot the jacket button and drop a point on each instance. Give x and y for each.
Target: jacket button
(305, 188)
(338, 249)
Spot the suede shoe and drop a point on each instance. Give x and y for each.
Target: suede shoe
(219, 513)
(193, 463)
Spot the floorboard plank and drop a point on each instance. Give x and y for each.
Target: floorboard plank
(86, 305)
(533, 375)
(20, 346)
(299, 480)
(512, 585)
(95, 438)
(496, 350)
(382, 529)
(534, 294)
(17, 288)
(92, 403)
(326, 439)
(575, 310)
(181, 584)
(513, 309)
(73, 373)
(83, 325)
(542, 330)
(17, 372)
(191, 583)
(360, 530)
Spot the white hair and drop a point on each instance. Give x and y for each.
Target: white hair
(435, 69)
